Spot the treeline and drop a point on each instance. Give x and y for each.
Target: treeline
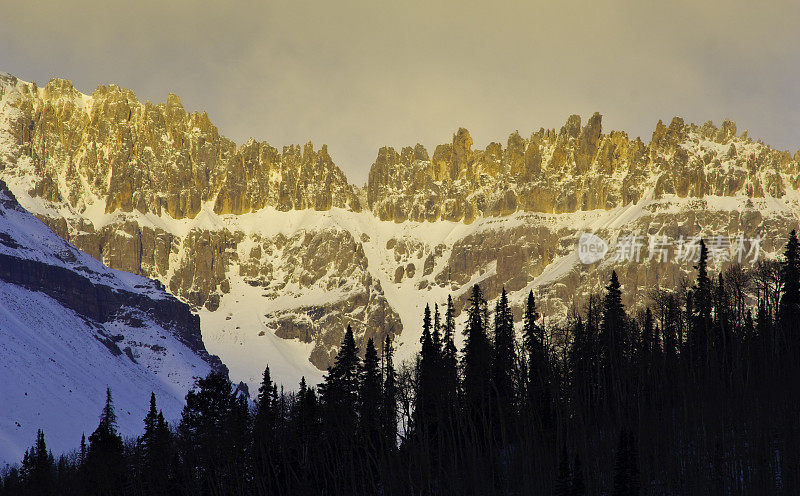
(698, 394)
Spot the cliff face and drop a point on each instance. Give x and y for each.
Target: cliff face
(575, 169)
(278, 253)
(70, 327)
(127, 155)
(143, 187)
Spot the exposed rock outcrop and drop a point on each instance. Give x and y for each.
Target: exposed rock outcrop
(157, 191)
(575, 169)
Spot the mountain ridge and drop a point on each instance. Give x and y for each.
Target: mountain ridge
(521, 157)
(156, 191)
(70, 327)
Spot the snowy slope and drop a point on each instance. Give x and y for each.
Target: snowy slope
(57, 356)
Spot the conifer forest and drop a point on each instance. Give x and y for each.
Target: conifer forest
(695, 395)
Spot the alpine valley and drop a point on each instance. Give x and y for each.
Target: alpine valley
(278, 253)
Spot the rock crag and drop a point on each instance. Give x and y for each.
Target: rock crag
(269, 244)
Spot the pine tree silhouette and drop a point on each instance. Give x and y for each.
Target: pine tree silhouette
(369, 399)
(104, 456)
(389, 398)
(340, 390)
(504, 362)
(613, 340)
(477, 359)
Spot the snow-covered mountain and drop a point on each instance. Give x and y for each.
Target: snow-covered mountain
(70, 327)
(278, 252)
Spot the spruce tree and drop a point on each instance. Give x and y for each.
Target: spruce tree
(613, 339)
(389, 397)
(238, 442)
(340, 390)
(148, 439)
(788, 315)
(369, 401)
(307, 418)
(702, 302)
(449, 364)
(104, 456)
(531, 332)
(504, 362)
(210, 433)
(82, 450)
(436, 335)
(264, 422)
(38, 468)
(155, 445)
(264, 437)
(427, 381)
(477, 362)
(538, 380)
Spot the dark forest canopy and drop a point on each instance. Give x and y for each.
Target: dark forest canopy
(698, 394)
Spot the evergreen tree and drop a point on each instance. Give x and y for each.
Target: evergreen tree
(670, 319)
(12, 483)
(155, 445)
(728, 430)
(449, 366)
(788, 315)
(370, 399)
(104, 456)
(148, 439)
(340, 391)
(307, 415)
(531, 332)
(477, 361)
(238, 443)
(701, 305)
(389, 397)
(437, 331)
(264, 425)
(427, 382)
(38, 468)
(211, 428)
(504, 362)
(82, 450)
(539, 381)
(613, 339)
(721, 327)
(579, 368)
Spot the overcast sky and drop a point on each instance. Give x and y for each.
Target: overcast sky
(361, 74)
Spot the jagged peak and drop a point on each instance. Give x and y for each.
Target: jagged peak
(174, 100)
(462, 135)
(161, 159)
(59, 85)
(572, 127)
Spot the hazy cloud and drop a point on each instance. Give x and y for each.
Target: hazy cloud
(358, 75)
